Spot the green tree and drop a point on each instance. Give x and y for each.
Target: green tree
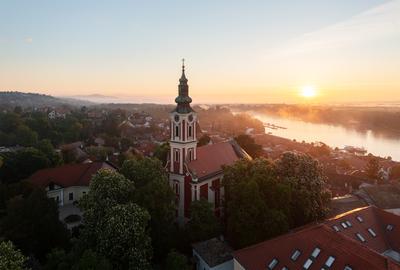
(176, 261)
(309, 197)
(21, 164)
(114, 226)
(25, 136)
(249, 145)
(161, 152)
(204, 140)
(203, 224)
(394, 172)
(47, 148)
(372, 168)
(10, 257)
(143, 170)
(32, 224)
(155, 195)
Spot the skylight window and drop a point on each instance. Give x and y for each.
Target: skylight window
(389, 227)
(330, 261)
(315, 252)
(360, 219)
(344, 225)
(336, 228)
(347, 268)
(371, 232)
(273, 263)
(348, 223)
(360, 237)
(295, 255)
(307, 264)
(285, 268)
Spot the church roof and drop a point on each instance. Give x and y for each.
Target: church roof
(358, 239)
(68, 175)
(211, 158)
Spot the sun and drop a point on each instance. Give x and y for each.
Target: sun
(308, 91)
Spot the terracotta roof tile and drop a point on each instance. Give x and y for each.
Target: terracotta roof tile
(211, 158)
(344, 246)
(68, 175)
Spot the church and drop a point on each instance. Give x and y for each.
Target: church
(196, 172)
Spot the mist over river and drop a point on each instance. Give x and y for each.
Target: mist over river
(334, 136)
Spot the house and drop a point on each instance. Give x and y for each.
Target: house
(365, 238)
(213, 254)
(195, 172)
(66, 184)
(383, 196)
(58, 113)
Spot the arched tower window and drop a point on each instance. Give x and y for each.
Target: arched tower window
(190, 131)
(176, 131)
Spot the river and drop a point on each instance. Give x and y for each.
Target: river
(334, 136)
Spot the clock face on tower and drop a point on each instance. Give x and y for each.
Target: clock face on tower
(190, 118)
(176, 118)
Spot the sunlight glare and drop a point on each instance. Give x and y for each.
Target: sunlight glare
(308, 91)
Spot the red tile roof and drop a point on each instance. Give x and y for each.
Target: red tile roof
(344, 246)
(211, 158)
(68, 175)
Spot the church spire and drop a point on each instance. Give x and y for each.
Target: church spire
(183, 100)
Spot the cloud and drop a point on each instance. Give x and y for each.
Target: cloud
(28, 40)
(379, 22)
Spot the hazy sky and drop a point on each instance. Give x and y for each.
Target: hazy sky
(236, 51)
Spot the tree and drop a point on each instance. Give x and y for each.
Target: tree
(161, 152)
(249, 145)
(10, 257)
(176, 260)
(47, 148)
(395, 172)
(32, 224)
(143, 170)
(154, 194)
(204, 140)
(372, 168)
(203, 224)
(257, 205)
(309, 198)
(25, 136)
(21, 164)
(114, 226)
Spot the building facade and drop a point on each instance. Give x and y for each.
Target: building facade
(195, 172)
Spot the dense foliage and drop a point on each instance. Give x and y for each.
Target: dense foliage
(10, 257)
(264, 198)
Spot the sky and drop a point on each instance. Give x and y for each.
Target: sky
(236, 51)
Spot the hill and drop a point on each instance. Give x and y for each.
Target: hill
(10, 99)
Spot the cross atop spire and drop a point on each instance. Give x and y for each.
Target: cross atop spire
(183, 64)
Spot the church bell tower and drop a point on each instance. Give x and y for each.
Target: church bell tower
(183, 143)
(183, 120)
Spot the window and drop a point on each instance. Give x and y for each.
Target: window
(389, 227)
(315, 252)
(307, 264)
(348, 223)
(51, 186)
(336, 228)
(295, 255)
(344, 225)
(347, 268)
(330, 261)
(371, 232)
(176, 155)
(190, 131)
(176, 131)
(272, 264)
(360, 219)
(360, 237)
(71, 196)
(285, 268)
(84, 192)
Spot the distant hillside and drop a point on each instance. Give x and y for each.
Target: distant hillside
(25, 100)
